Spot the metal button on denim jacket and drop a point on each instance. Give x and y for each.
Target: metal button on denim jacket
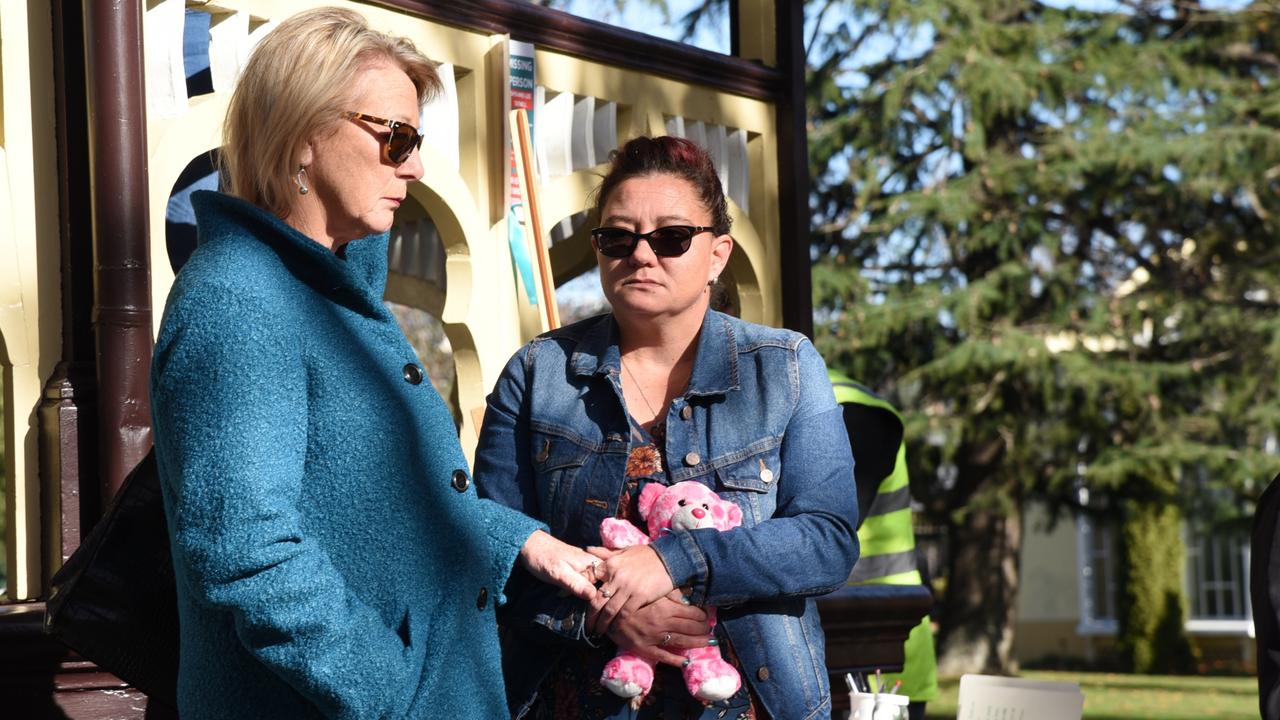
(758, 424)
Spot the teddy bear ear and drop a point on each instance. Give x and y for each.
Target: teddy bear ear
(648, 496)
(732, 517)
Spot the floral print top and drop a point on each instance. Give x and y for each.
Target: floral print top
(573, 690)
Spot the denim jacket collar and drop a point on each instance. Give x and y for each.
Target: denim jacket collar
(597, 350)
(715, 366)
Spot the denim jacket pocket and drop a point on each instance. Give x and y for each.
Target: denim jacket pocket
(752, 483)
(556, 464)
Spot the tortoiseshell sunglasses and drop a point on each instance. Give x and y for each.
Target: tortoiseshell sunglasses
(402, 141)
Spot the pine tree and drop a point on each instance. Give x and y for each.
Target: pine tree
(1047, 233)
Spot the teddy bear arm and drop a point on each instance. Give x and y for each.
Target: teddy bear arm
(616, 534)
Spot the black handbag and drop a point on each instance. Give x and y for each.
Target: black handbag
(114, 601)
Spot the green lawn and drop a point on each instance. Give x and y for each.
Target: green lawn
(1109, 696)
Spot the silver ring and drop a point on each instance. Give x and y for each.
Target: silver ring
(665, 639)
(606, 594)
(595, 566)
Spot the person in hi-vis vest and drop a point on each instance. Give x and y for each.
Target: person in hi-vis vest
(886, 534)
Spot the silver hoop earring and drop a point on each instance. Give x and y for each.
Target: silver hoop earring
(301, 181)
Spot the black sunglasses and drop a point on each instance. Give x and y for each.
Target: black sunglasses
(402, 141)
(669, 241)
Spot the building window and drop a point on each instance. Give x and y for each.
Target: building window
(1096, 550)
(1218, 582)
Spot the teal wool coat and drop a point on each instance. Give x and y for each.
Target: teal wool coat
(332, 557)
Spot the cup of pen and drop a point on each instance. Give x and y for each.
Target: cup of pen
(875, 705)
(889, 706)
(862, 705)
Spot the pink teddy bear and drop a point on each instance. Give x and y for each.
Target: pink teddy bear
(687, 505)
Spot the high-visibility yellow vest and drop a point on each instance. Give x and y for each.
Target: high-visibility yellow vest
(888, 538)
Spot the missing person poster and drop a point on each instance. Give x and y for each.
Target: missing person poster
(521, 82)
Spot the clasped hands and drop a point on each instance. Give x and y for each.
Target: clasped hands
(629, 592)
(640, 609)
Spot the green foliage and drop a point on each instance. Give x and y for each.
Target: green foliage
(1063, 222)
(1062, 218)
(1152, 612)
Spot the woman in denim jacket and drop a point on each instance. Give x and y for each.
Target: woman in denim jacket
(664, 390)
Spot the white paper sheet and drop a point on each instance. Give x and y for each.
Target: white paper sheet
(988, 697)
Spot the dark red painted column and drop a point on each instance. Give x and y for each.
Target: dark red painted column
(121, 247)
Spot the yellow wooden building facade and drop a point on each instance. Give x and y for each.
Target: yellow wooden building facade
(98, 130)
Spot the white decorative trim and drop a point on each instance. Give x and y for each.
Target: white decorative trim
(229, 47)
(605, 132)
(715, 139)
(439, 118)
(163, 26)
(739, 189)
(582, 134)
(1239, 627)
(555, 135)
(696, 132)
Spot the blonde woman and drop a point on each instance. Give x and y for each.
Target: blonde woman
(333, 558)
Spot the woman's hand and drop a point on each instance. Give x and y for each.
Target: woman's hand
(557, 563)
(658, 630)
(630, 579)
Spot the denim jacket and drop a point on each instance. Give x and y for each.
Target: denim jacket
(758, 424)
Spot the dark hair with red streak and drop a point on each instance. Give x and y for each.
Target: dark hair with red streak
(668, 155)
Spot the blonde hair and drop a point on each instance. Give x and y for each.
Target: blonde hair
(294, 88)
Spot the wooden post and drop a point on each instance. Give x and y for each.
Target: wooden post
(793, 165)
(533, 213)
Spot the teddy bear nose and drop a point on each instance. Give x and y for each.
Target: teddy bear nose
(698, 513)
